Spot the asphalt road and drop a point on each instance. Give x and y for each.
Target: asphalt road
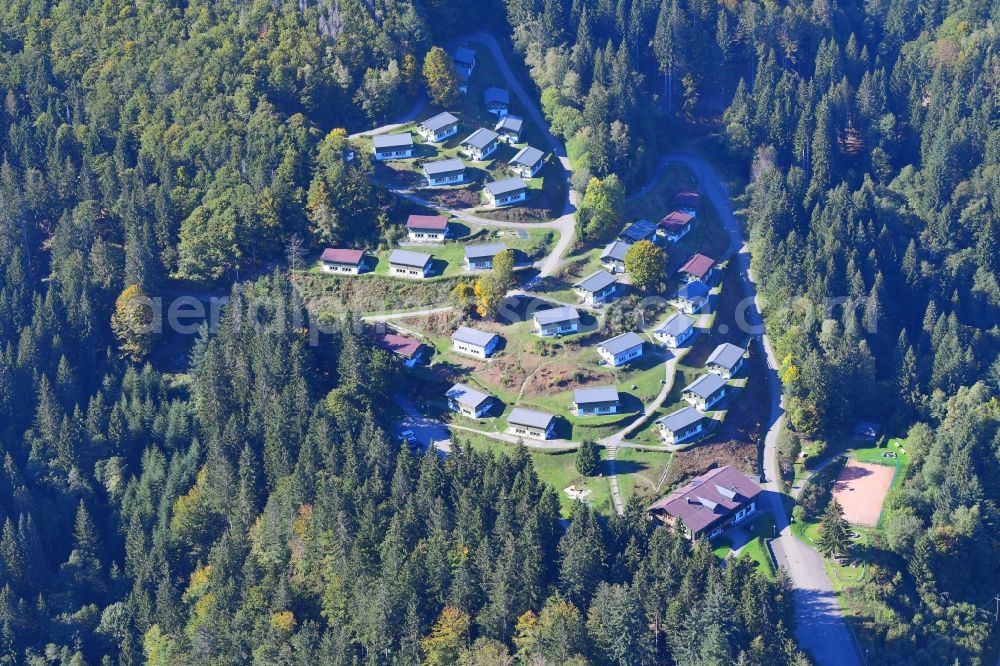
(821, 628)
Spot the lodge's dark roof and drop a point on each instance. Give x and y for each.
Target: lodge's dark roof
(709, 498)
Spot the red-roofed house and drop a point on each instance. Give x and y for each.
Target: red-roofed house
(410, 351)
(687, 200)
(710, 504)
(427, 227)
(698, 267)
(335, 260)
(676, 225)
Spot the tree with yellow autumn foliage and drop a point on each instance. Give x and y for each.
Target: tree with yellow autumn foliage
(132, 322)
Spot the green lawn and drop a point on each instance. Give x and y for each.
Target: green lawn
(558, 470)
(756, 549)
(642, 472)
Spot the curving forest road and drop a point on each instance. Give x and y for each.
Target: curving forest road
(821, 628)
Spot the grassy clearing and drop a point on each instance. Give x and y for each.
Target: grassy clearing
(558, 470)
(756, 548)
(642, 473)
(333, 295)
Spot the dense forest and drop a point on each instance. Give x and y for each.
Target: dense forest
(254, 509)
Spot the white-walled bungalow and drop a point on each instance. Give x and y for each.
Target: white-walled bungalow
(597, 288)
(676, 225)
(427, 228)
(527, 162)
(509, 128)
(393, 146)
(473, 342)
(726, 360)
(698, 267)
(497, 100)
(705, 391)
(480, 144)
(675, 330)
(480, 257)
(529, 423)
(556, 321)
(445, 172)
(343, 261)
(596, 401)
(680, 426)
(621, 349)
(613, 256)
(468, 401)
(403, 263)
(506, 192)
(692, 297)
(438, 128)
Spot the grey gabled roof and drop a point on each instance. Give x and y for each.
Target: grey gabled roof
(510, 122)
(599, 394)
(499, 187)
(393, 140)
(620, 343)
(473, 336)
(639, 229)
(680, 419)
(676, 324)
(531, 418)
(706, 385)
(467, 395)
(481, 138)
(693, 291)
(481, 251)
(596, 281)
(726, 356)
(439, 121)
(407, 258)
(528, 156)
(556, 315)
(615, 250)
(494, 94)
(443, 166)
